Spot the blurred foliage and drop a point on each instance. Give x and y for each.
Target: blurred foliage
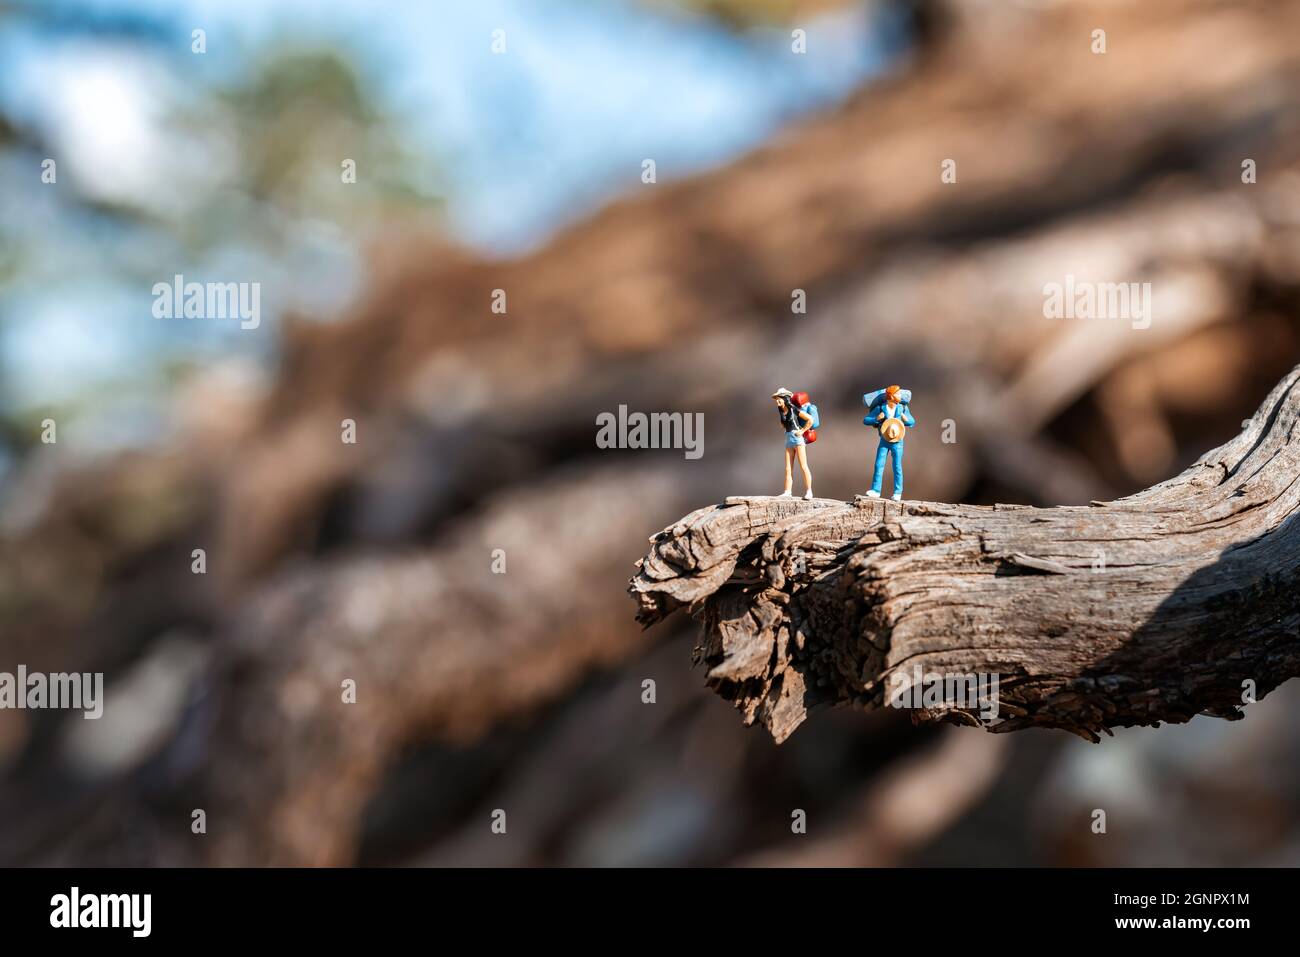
(296, 116)
(740, 14)
(256, 167)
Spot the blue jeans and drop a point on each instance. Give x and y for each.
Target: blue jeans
(882, 452)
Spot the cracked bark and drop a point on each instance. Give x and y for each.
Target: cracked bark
(1183, 599)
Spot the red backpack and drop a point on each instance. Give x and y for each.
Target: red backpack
(801, 401)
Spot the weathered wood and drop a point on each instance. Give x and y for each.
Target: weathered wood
(1183, 599)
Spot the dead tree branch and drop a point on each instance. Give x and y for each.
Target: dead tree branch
(1183, 599)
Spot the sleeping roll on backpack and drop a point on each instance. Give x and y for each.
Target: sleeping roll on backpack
(801, 402)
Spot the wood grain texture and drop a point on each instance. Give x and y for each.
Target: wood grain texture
(1183, 599)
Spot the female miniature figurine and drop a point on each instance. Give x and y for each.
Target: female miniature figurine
(797, 420)
(889, 414)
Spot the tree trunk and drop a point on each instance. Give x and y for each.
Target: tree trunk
(1183, 599)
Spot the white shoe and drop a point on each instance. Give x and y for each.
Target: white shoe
(785, 494)
(898, 497)
(872, 493)
(808, 495)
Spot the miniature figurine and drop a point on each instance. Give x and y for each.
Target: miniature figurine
(800, 419)
(887, 412)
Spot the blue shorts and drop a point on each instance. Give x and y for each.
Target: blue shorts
(793, 440)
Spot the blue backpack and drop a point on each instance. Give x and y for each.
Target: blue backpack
(875, 401)
(811, 409)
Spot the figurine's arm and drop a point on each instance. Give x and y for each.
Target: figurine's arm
(807, 418)
(906, 415)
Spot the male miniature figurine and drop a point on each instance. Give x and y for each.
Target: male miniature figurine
(888, 413)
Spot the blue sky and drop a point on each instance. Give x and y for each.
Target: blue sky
(534, 137)
(520, 143)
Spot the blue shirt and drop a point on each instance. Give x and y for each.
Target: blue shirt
(901, 412)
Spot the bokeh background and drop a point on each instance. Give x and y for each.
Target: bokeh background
(1171, 158)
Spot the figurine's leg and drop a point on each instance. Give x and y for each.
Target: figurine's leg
(807, 472)
(789, 469)
(878, 477)
(803, 467)
(897, 452)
